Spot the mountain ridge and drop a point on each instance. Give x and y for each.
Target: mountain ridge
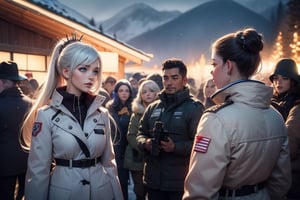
(191, 34)
(135, 20)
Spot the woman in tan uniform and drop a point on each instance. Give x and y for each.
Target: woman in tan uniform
(241, 147)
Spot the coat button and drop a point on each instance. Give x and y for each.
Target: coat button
(95, 120)
(57, 119)
(70, 127)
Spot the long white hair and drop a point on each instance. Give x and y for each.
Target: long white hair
(63, 56)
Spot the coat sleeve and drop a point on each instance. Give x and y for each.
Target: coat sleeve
(132, 131)
(279, 181)
(39, 160)
(143, 134)
(293, 127)
(207, 166)
(109, 162)
(183, 147)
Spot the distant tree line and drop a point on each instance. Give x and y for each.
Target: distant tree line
(289, 28)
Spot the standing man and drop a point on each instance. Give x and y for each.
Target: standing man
(109, 85)
(166, 134)
(13, 105)
(135, 81)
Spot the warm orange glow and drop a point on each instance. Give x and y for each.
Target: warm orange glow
(199, 70)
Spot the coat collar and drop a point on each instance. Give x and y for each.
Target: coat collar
(170, 101)
(250, 92)
(57, 98)
(13, 91)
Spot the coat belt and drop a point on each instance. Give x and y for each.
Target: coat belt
(83, 163)
(243, 191)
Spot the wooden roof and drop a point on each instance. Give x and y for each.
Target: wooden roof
(45, 22)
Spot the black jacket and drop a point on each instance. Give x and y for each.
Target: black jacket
(180, 114)
(13, 105)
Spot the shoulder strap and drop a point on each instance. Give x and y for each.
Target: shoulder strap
(216, 108)
(83, 147)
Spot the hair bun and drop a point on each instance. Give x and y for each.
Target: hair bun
(250, 40)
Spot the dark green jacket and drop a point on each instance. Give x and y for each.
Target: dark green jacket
(134, 159)
(180, 114)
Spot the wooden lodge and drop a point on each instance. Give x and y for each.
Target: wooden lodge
(29, 32)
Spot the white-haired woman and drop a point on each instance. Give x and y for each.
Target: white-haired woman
(68, 125)
(147, 93)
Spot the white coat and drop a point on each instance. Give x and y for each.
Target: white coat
(53, 139)
(242, 143)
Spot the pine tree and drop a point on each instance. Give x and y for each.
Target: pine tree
(295, 46)
(278, 53)
(291, 29)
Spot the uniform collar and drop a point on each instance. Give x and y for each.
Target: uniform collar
(57, 98)
(250, 92)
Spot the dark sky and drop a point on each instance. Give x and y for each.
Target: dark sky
(103, 9)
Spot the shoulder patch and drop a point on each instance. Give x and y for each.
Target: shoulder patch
(216, 108)
(201, 144)
(37, 127)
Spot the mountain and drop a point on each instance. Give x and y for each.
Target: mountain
(65, 11)
(135, 20)
(190, 35)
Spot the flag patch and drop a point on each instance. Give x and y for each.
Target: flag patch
(201, 144)
(37, 127)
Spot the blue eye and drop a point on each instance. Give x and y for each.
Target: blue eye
(95, 72)
(82, 69)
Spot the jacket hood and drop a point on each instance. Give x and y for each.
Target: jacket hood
(116, 102)
(138, 107)
(250, 92)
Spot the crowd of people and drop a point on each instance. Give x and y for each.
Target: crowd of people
(77, 136)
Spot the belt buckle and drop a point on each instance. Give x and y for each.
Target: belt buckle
(70, 163)
(85, 163)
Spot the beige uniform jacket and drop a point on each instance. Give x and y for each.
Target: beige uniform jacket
(53, 138)
(246, 144)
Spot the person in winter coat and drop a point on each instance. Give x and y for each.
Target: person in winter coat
(134, 159)
(241, 147)
(166, 133)
(68, 125)
(208, 89)
(14, 106)
(286, 99)
(120, 109)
